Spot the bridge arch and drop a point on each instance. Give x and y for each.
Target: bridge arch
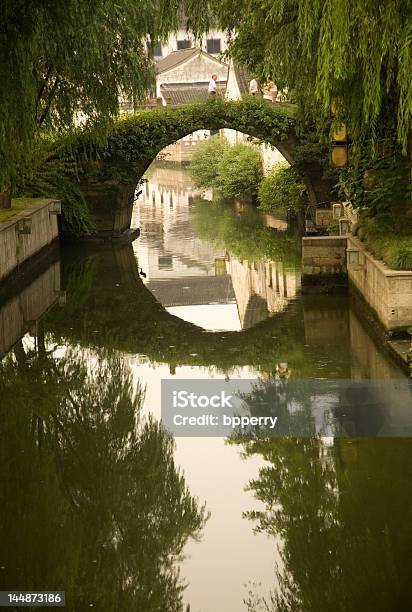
(108, 180)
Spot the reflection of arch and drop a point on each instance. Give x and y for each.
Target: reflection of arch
(109, 181)
(116, 310)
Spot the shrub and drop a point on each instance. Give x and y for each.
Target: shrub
(204, 167)
(281, 190)
(393, 247)
(240, 171)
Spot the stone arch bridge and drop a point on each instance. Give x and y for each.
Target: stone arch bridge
(109, 174)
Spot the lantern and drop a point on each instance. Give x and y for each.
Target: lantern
(336, 210)
(340, 155)
(344, 226)
(340, 134)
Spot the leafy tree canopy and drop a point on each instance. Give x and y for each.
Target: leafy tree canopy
(354, 54)
(60, 61)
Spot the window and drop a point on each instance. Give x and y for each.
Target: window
(213, 45)
(157, 52)
(165, 262)
(184, 44)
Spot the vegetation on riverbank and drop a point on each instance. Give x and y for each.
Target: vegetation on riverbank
(206, 160)
(377, 185)
(240, 171)
(394, 248)
(281, 190)
(237, 172)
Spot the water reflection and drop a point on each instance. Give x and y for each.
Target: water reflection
(21, 310)
(342, 510)
(195, 253)
(92, 501)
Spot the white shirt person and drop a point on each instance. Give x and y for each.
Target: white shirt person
(254, 86)
(212, 89)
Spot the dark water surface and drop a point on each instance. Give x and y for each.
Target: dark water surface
(97, 500)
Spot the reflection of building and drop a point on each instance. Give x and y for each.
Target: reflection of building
(261, 288)
(168, 246)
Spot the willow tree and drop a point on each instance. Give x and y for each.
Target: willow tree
(60, 61)
(354, 54)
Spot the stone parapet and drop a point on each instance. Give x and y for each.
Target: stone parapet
(26, 234)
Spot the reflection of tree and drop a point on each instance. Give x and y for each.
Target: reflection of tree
(243, 235)
(91, 499)
(342, 514)
(289, 401)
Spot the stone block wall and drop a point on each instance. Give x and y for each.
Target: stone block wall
(388, 292)
(15, 248)
(323, 256)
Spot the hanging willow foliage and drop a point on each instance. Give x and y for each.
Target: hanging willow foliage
(65, 61)
(355, 54)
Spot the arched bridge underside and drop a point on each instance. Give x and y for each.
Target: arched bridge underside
(109, 179)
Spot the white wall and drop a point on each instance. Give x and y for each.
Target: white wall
(197, 69)
(171, 44)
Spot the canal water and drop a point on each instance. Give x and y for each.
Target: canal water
(96, 499)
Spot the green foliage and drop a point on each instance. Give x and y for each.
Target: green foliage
(243, 234)
(394, 248)
(378, 186)
(378, 183)
(281, 190)
(352, 53)
(57, 178)
(64, 58)
(206, 159)
(240, 171)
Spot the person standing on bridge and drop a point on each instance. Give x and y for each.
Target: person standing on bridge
(212, 90)
(254, 88)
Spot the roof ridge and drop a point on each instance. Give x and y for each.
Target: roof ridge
(177, 57)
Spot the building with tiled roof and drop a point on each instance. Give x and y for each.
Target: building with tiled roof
(183, 76)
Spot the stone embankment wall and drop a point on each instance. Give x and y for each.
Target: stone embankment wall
(26, 234)
(323, 256)
(388, 292)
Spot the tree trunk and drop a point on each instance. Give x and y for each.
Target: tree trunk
(5, 199)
